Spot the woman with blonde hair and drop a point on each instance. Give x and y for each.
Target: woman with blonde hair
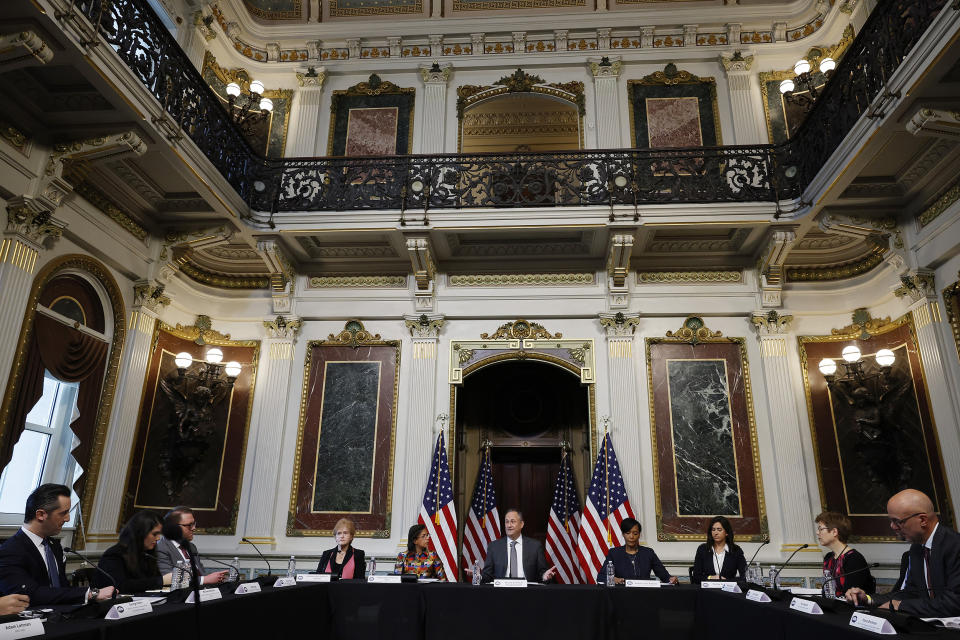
(343, 560)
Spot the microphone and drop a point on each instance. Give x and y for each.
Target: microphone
(765, 542)
(850, 573)
(268, 579)
(784, 565)
(116, 586)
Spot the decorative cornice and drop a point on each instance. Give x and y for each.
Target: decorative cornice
(836, 272)
(424, 326)
(283, 327)
(619, 324)
(358, 282)
(771, 323)
(103, 204)
(670, 76)
(521, 329)
(941, 204)
(690, 277)
(224, 281)
(520, 279)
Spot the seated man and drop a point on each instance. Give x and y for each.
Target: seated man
(31, 562)
(931, 588)
(523, 559)
(176, 544)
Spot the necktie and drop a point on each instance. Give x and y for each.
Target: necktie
(184, 552)
(513, 559)
(926, 570)
(52, 569)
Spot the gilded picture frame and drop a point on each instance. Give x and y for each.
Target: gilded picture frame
(674, 83)
(951, 301)
(372, 94)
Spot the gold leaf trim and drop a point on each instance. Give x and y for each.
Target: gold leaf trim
(521, 329)
(365, 282)
(942, 203)
(13, 135)
(695, 330)
(353, 334)
(520, 279)
(951, 300)
(837, 272)
(225, 282)
(103, 204)
(690, 277)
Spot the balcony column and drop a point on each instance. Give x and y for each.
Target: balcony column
(606, 72)
(745, 108)
(148, 303)
(435, 79)
(796, 518)
(276, 366)
(305, 119)
(192, 41)
(418, 438)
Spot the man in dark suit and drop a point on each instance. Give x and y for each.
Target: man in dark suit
(932, 583)
(31, 562)
(515, 555)
(176, 544)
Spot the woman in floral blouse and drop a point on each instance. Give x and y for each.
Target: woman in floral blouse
(420, 559)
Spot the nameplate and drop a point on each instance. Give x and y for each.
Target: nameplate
(314, 577)
(757, 596)
(21, 629)
(129, 609)
(730, 587)
(650, 584)
(876, 624)
(289, 581)
(806, 606)
(385, 579)
(205, 595)
(711, 584)
(248, 587)
(510, 582)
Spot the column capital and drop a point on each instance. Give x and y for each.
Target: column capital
(619, 325)
(149, 295)
(605, 67)
(32, 220)
(917, 285)
(311, 78)
(283, 327)
(435, 74)
(770, 324)
(736, 63)
(424, 326)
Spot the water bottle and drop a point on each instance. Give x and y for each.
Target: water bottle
(177, 578)
(373, 566)
(756, 573)
(477, 572)
(610, 580)
(829, 588)
(186, 578)
(233, 574)
(774, 577)
(292, 567)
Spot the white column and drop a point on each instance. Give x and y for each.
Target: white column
(434, 108)
(305, 118)
(796, 519)
(606, 73)
(422, 375)
(747, 120)
(624, 415)
(193, 43)
(273, 386)
(149, 301)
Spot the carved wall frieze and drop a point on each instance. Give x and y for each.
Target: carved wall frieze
(812, 242)
(941, 204)
(359, 282)
(99, 200)
(224, 281)
(520, 279)
(836, 272)
(690, 277)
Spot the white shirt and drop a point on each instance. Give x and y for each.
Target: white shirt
(38, 541)
(519, 556)
(718, 558)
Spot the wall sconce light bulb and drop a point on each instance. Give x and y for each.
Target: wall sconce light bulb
(851, 353)
(215, 356)
(232, 369)
(828, 367)
(801, 66)
(183, 360)
(885, 357)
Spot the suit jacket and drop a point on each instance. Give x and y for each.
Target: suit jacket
(534, 563)
(168, 555)
(359, 562)
(143, 577)
(734, 564)
(634, 567)
(23, 569)
(944, 578)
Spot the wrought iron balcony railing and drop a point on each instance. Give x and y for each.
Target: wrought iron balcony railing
(762, 173)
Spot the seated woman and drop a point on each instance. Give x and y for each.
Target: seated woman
(719, 558)
(132, 562)
(343, 560)
(847, 565)
(631, 561)
(420, 559)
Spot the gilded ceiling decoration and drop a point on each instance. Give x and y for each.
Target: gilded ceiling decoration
(343, 8)
(275, 9)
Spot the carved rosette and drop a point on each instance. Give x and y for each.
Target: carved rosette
(521, 330)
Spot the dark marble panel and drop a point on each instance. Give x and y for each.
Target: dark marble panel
(348, 423)
(703, 438)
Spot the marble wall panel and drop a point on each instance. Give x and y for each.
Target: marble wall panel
(673, 122)
(672, 115)
(372, 131)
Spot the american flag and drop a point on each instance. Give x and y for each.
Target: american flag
(564, 526)
(607, 506)
(437, 511)
(483, 521)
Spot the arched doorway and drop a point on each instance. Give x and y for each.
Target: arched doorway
(521, 122)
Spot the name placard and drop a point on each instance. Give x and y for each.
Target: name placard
(510, 582)
(730, 587)
(876, 624)
(205, 595)
(314, 577)
(248, 587)
(711, 584)
(129, 609)
(757, 596)
(385, 579)
(289, 581)
(26, 628)
(649, 584)
(806, 606)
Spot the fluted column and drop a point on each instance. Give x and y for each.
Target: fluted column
(425, 332)
(435, 81)
(305, 119)
(273, 385)
(624, 415)
(786, 429)
(192, 42)
(606, 72)
(747, 119)
(149, 302)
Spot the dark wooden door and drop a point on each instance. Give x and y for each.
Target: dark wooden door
(524, 479)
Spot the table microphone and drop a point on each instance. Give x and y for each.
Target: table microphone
(833, 578)
(765, 542)
(269, 578)
(116, 586)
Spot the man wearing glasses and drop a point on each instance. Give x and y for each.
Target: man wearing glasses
(931, 588)
(174, 545)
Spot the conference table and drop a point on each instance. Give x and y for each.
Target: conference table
(349, 610)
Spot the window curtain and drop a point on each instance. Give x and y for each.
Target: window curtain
(71, 356)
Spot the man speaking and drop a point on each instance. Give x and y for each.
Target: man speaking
(516, 556)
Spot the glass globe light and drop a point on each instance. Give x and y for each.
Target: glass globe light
(828, 367)
(266, 104)
(851, 353)
(214, 355)
(233, 89)
(620, 181)
(827, 65)
(256, 87)
(416, 186)
(183, 360)
(885, 357)
(802, 66)
(787, 86)
(232, 369)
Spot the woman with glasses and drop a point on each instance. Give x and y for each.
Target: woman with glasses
(419, 560)
(847, 566)
(719, 558)
(132, 562)
(343, 560)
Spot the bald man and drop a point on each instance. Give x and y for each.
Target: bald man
(931, 588)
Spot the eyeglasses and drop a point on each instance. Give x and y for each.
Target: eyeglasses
(898, 522)
(191, 525)
(821, 528)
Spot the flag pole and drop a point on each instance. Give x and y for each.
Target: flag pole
(606, 473)
(443, 420)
